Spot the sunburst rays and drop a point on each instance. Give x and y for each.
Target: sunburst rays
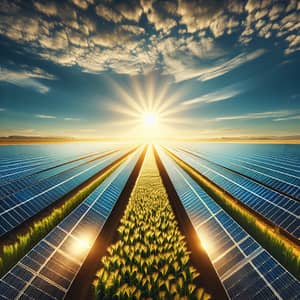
(143, 98)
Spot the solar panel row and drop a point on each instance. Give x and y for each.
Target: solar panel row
(55, 154)
(284, 182)
(246, 270)
(19, 207)
(51, 162)
(48, 270)
(11, 173)
(13, 187)
(279, 209)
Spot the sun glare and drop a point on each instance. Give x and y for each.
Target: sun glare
(150, 119)
(150, 108)
(80, 245)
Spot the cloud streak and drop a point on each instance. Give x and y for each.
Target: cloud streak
(280, 115)
(41, 116)
(219, 69)
(71, 119)
(221, 95)
(26, 78)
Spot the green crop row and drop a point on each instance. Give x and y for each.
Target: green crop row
(12, 252)
(150, 259)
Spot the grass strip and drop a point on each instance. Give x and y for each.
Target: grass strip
(150, 260)
(12, 252)
(283, 249)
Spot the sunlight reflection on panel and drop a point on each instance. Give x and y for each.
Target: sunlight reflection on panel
(80, 245)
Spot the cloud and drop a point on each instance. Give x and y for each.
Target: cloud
(26, 78)
(221, 95)
(188, 71)
(83, 4)
(47, 8)
(108, 14)
(297, 117)
(130, 9)
(71, 119)
(258, 115)
(96, 36)
(160, 13)
(40, 116)
(2, 109)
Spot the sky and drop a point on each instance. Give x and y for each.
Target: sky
(87, 68)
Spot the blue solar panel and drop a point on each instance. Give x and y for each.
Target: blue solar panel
(13, 186)
(48, 270)
(242, 264)
(28, 202)
(284, 178)
(279, 209)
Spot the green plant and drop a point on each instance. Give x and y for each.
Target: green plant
(150, 258)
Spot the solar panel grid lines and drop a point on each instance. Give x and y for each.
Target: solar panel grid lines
(22, 208)
(12, 187)
(7, 171)
(234, 253)
(52, 160)
(288, 187)
(283, 181)
(275, 158)
(22, 161)
(56, 179)
(279, 160)
(84, 219)
(278, 209)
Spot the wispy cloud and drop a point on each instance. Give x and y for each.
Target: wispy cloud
(258, 115)
(2, 109)
(221, 95)
(71, 119)
(40, 116)
(297, 117)
(26, 78)
(218, 69)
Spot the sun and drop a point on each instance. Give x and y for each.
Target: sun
(150, 119)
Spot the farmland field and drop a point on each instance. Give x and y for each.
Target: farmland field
(144, 221)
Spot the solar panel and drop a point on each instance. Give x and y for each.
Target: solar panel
(279, 209)
(48, 270)
(13, 186)
(284, 180)
(246, 270)
(17, 208)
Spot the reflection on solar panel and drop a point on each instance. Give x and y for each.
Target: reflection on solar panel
(48, 270)
(246, 270)
(284, 180)
(18, 207)
(279, 209)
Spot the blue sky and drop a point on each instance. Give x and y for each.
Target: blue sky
(87, 68)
